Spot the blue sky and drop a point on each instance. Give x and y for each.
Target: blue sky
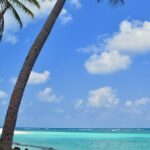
(93, 70)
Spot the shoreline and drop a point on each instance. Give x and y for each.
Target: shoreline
(17, 132)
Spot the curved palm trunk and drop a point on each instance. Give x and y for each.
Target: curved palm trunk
(12, 112)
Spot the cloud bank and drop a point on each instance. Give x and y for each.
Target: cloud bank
(47, 95)
(115, 52)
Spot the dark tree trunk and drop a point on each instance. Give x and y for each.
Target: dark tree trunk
(16, 97)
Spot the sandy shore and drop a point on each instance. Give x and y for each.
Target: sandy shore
(17, 132)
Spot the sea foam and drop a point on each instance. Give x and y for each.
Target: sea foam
(17, 132)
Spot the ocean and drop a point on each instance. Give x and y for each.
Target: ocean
(84, 139)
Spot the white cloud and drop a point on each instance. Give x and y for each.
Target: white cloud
(137, 106)
(3, 94)
(132, 38)
(102, 97)
(107, 62)
(140, 102)
(128, 103)
(13, 80)
(35, 77)
(38, 78)
(11, 26)
(47, 95)
(75, 3)
(65, 17)
(78, 103)
(106, 97)
(11, 38)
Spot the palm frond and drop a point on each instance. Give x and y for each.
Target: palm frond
(2, 2)
(11, 5)
(15, 14)
(34, 2)
(4, 7)
(1, 27)
(23, 7)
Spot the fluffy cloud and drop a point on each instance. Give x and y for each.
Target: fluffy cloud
(132, 38)
(137, 106)
(102, 97)
(140, 102)
(38, 78)
(11, 27)
(11, 38)
(47, 95)
(65, 17)
(35, 77)
(106, 97)
(75, 3)
(78, 103)
(107, 62)
(3, 94)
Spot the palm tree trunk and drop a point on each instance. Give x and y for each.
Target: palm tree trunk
(12, 112)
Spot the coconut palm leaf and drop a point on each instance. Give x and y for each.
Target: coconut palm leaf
(22, 7)
(1, 27)
(34, 2)
(16, 15)
(12, 5)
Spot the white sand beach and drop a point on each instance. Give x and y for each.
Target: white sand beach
(17, 132)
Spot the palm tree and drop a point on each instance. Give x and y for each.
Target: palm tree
(6, 5)
(16, 97)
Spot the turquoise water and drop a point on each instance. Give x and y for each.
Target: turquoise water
(87, 139)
